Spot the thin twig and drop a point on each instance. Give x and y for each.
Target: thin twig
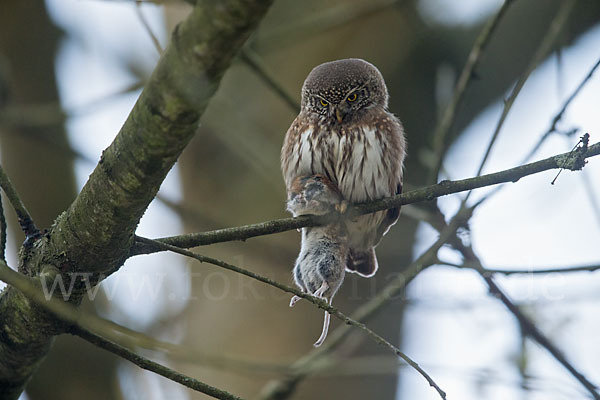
(152, 366)
(255, 63)
(25, 221)
(79, 321)
(553, 30)
(43, 115)
(2, 233)
(317, 23)
(445, 123)
(315, 300)
(144, 21)
(526, 324)
(423, 194)
(562, 111)
(526, 271)
(310, 363)
(557, 117)
(531, 330)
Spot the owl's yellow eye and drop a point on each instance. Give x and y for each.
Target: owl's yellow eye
(324, 103)
(352, 97)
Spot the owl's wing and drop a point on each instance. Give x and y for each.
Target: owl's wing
(290, 160)
(365, 263)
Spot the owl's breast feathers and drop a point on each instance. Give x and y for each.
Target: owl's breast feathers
(364, 158)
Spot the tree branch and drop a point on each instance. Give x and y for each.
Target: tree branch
(527, 326)
(572, 161)
(25, 220)
(552, 128)
(84, 325)
(526, 271)
(3, 228)
(255, 63)
(444, 125)
(95, 234)
(544, 48)
(315, 300)
(152, 366)
(305, 366)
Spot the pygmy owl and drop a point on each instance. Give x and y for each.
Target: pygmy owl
(320, 267)
(345, 133)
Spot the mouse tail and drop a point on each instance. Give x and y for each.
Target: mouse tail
(323, 336)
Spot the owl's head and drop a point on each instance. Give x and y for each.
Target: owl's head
(343, 90)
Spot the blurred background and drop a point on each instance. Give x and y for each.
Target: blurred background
(71, 70)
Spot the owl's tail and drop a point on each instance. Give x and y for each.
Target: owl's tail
(363, 263)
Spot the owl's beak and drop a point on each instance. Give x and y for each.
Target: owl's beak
(339, 115)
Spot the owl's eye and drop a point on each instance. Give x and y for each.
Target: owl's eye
(352, 97)
(324, 103)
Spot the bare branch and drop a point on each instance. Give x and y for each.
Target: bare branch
(526, 271)
(95, 234)
(79, 322)
(315, 300)
(570, 161)
(553, 30)
(255, 63)
(552, 128)
(147, 27)
(529, 327)
(310, 363)
(152, 366)
(25, 220)
(444, 125)
(2, 232)
(562, 111)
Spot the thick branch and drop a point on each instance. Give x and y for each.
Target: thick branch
(572, 160)
(97, 231)
(98, 228)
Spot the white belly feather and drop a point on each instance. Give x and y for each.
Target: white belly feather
(354, 161)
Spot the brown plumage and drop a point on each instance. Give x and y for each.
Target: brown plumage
(345, 133)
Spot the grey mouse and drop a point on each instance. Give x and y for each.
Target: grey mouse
(320, 267)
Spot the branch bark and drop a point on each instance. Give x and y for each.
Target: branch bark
(95, 234)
